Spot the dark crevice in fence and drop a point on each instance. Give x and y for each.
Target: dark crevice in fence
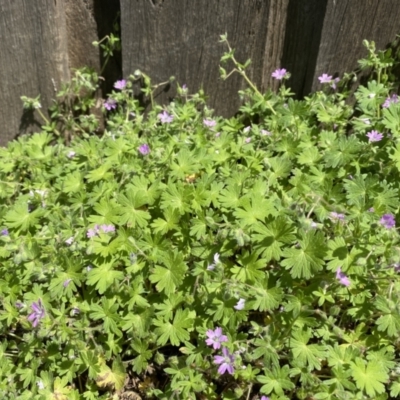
(106, 14)
(305, 20)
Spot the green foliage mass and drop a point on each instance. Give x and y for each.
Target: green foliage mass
(136, 254)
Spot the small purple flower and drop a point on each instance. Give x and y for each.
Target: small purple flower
(393, 99)
(279, 74)
(120, 84)
(184, 87)
(110, 104)
(264, 398)
(247, 140)
(337, 216)
(165, 118)
(71, 154)
(144, 149)
(19, 304)
(75, 311)
(218, 134)
(388, 221)
(264, 132)
(226, 362)
(69, 241)
(325, 78)
(4, 232)
(209, 123)
(38, 312)
(91, 233)
(374, 136)
(66, 282)
(107, 228)
(240, 304)
(247, 129)
(215, 338)
(342, 278)
(334, 83)
(372, 209)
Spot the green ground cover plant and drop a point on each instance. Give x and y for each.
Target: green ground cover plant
(181, 255)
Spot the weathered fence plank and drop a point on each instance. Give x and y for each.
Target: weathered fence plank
(33, 51)
(346, 24)
(181, 38)
(42, 41)
(307, 37)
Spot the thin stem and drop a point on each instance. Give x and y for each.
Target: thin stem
(42, 115)
(244, 75)
(105, 64)
(249, 391)
(47, 121)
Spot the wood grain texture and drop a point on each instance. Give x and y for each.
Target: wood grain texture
(81, 23)
(181, 38)
(33, 52)
(42, 41)
(307, 37)
(346, 24)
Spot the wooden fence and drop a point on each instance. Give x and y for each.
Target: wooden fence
(43, 40)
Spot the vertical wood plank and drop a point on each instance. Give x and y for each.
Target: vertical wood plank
(33, 50)
(81, 33)
(346, 24)
(181, 38)
(42, 41)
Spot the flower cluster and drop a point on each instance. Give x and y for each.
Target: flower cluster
(226, 361)
(280, 74)
(38, 312)
(97, 228)
(110, 104)
(165, 118)
(388, 221)
(374, 136)
(337, 216)
(393, 99)
(209, 123)
(342, 278)
(215, 338)
(325, 78)
(144, 149)
(120, 84)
